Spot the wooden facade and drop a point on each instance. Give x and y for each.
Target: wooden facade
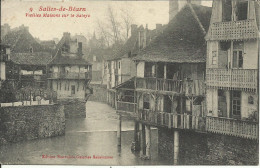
(232, 69)
(218, 95)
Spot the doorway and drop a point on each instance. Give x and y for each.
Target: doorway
(167, 105)
(236, 104)
(222, 104)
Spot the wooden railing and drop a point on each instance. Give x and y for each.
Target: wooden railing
(188, 87)
(71, 75)
(234, 30)
(239, 128)
(180, 121)
(245, 79)
(34, 77)
(126, 106)
(226, 126)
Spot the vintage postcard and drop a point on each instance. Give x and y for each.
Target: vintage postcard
(129, 83)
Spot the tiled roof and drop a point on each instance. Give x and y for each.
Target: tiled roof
(182, 40)
(21, 41)
(67, 60)
(100, 53)
(131, 44)
(59, 59)
(37, 58)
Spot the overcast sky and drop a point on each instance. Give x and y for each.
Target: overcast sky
(144, 12)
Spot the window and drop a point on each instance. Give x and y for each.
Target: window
(250, 100)
(214, 57)
(241, 12)
(80, 47)
(72, 89)
(226, 10)
(119, 65)
(146, 99)
(65, 48)
(236, 103)
(224, 46)
(237, 61)
(60, 85)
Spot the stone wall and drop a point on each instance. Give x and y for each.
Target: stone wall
(74, 108)
(208, 149)
(31, 122)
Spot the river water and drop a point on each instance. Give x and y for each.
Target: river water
(93, 141)
(84, 138)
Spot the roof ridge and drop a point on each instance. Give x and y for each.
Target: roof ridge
(197, 19)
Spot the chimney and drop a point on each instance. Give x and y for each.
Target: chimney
(133, 28)
(173, 8)
(158, 28)
(80, 49)
(66, 35)
(141, 37)
(145, 35)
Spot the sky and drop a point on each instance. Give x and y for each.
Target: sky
(47, 28)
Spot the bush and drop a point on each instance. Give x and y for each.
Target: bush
(7, 93)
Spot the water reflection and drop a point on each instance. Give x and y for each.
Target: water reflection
(93, 137)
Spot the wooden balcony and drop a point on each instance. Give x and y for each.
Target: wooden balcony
(70, 75)
(239, 128)
(128, 107)
(34, 77)
(170, 120)
(226, 126)
(234, 30)
(244, 79)
(187, 87)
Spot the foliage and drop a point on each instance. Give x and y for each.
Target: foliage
(7, 93)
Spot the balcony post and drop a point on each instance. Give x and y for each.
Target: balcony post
(148, 141)
(176, 147)
(143, 143)
(119, 131)
(136, 137)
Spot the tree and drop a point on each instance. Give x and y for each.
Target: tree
(115, 24)
(127, 16)
(104, 33)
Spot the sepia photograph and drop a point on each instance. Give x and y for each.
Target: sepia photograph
(129, 83)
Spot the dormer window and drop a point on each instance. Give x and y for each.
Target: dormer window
(31, 49)
(65, 48)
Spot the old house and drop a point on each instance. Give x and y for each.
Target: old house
(4, 57)
(232, 65)
(120, 67)
(169, 88)
(96, 53)
(69, 75)
(28, 59)
(171, 70)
